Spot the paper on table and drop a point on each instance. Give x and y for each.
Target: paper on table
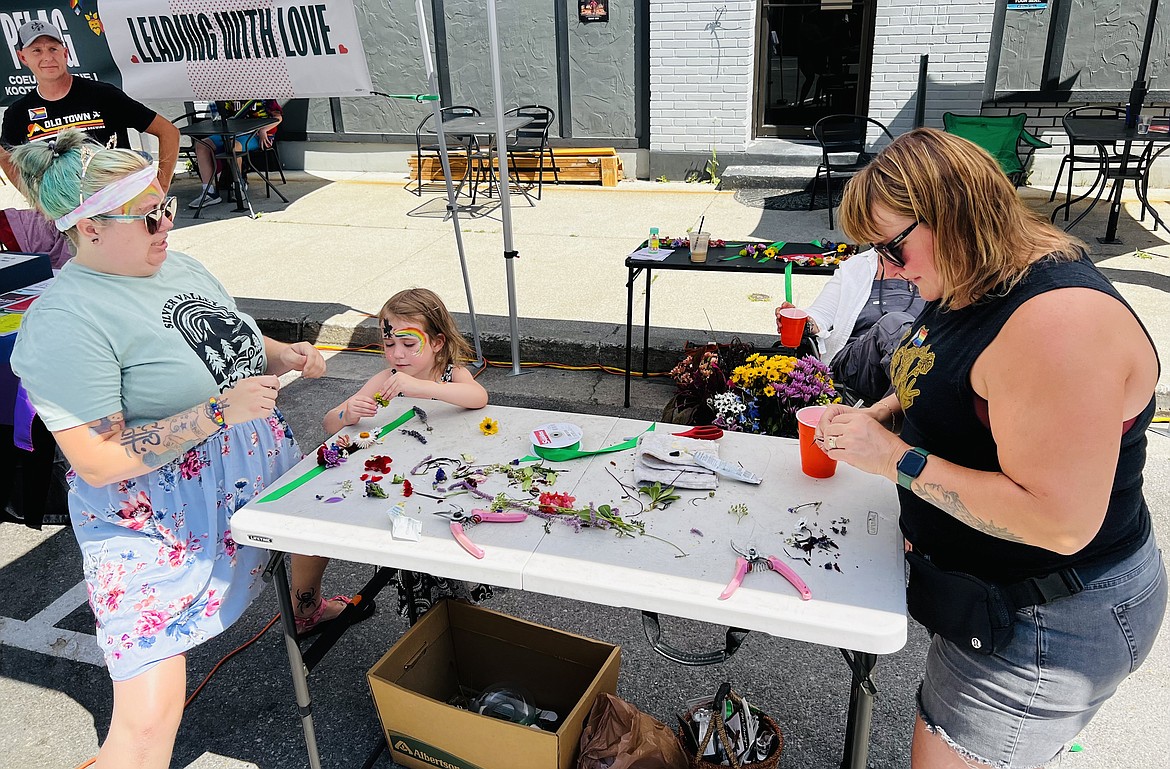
(643, 254)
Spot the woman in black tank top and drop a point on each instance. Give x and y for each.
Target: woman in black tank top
(1022, 394)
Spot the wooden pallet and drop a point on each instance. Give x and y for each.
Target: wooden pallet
(590, 165)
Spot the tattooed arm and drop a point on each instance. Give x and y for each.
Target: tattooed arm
(106, 451)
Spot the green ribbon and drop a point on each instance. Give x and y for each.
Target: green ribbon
(313, 473)
(413, 96)
(788, 282)
(573, 452)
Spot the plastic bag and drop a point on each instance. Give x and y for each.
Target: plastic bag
(619, 736)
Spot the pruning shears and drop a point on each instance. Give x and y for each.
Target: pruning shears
(461, 521)
(702, 433)
(751, 560)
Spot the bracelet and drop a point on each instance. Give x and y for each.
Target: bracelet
(893, 416)
(216, 412)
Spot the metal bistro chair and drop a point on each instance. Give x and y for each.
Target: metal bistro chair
(532, 139)
(1002, 137)
(461, 144)
(1104, 159)
(842, 139)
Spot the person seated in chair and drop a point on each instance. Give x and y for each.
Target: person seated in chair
(207, 149)
(26, 231)
(859, 317)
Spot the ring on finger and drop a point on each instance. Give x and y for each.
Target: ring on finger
(831, 442)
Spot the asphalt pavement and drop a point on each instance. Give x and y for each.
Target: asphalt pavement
(316, 269)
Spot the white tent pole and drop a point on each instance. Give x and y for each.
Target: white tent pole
(452, 202)
(502, 161)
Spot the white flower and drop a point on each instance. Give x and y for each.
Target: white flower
(364, 440)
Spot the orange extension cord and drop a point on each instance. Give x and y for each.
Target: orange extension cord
(199, 688)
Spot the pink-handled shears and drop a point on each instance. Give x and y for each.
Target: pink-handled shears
(461, 521)
(751, 560)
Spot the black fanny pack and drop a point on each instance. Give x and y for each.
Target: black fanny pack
(972, 613)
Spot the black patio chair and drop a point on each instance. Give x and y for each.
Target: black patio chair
(843, 151)
(1104, 160)
(531, 140)
(425, 132)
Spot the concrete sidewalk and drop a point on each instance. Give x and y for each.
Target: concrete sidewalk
(314, 269)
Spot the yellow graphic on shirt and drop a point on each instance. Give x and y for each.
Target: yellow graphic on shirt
(909, 363)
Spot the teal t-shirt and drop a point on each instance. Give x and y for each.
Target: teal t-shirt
(95, 344)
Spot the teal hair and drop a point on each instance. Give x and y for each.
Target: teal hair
(51, 172)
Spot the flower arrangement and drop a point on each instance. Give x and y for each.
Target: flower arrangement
(733, 387)
(830, 255)
(765, 393)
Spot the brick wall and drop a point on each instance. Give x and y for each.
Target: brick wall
(701, 68)
(957, 36)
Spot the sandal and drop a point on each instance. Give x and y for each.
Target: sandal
(314, 624)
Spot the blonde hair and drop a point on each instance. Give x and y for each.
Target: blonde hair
(58, 174)
(985, 237)
(425, 307)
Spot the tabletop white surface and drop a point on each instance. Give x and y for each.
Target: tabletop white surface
(860, 607)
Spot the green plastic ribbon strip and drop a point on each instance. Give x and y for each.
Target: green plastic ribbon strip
(788, 282)
(573, 452)
(413, 96)
(309, 475)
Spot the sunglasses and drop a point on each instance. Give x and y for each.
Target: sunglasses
(153, 217)
(892, 251)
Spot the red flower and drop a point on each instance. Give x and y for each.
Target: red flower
(407, 488)
(550, 501)
(379, 464)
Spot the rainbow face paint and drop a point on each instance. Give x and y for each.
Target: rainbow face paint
(410, 332)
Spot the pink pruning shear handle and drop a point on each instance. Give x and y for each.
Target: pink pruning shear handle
(464, 542)
(741, 569)
(786, 571)
(486, 516)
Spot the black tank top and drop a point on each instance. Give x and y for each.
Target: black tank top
(931, 372)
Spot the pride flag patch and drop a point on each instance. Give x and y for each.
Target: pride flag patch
(38, 113)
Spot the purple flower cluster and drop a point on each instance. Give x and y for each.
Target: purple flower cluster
(809, 383)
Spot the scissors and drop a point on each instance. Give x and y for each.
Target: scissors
(751, 560)
(461, 521)
(702, 433)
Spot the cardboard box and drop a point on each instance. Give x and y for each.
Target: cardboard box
(458, 645)
(18, 270)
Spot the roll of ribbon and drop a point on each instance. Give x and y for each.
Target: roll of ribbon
(573, 450)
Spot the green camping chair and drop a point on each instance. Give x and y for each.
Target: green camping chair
(1003, 136)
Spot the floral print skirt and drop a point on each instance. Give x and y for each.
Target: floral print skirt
(162, 569)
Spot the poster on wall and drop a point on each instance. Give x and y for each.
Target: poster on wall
(594, 10)
(200, 49)
(1027, 5)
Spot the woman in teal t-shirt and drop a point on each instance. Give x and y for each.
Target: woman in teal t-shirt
(162, 395)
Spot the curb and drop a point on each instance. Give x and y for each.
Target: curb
(564, 342)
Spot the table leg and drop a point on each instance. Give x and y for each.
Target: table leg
(296, 663)
(860, 709)
(1114, 212)
(646, 330)
(238, 177)
(631, 276)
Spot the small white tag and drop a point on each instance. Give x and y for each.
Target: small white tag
(403, 526)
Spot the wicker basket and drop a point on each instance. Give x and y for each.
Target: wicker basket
(716, 726)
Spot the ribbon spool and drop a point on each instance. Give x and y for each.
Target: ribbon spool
(561, 441)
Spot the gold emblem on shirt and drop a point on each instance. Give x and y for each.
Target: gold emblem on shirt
(909, 363)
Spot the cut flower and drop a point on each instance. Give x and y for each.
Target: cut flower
(489, 426)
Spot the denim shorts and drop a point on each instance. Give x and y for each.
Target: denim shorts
(1017, 708)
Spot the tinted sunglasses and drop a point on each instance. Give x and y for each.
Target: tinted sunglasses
(168, 208)
(892, 251)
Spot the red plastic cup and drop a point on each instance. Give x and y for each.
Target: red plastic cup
(813, 461)
(792, 323)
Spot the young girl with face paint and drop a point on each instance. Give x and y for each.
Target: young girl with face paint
(424, 350)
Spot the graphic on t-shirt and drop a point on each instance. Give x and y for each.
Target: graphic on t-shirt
(229, 347)
(47, 128)
(910, 362)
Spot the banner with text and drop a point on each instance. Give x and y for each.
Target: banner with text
(203, 49)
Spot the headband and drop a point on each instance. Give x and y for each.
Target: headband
(114, 195)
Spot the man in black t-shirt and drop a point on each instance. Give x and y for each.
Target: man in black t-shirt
(61, 101)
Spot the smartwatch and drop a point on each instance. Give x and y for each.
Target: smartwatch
(911, 465)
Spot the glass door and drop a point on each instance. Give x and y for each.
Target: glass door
(813, 60)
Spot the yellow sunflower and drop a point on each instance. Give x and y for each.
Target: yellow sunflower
(489, 426)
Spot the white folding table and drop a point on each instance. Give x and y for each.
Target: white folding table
(858, 588)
